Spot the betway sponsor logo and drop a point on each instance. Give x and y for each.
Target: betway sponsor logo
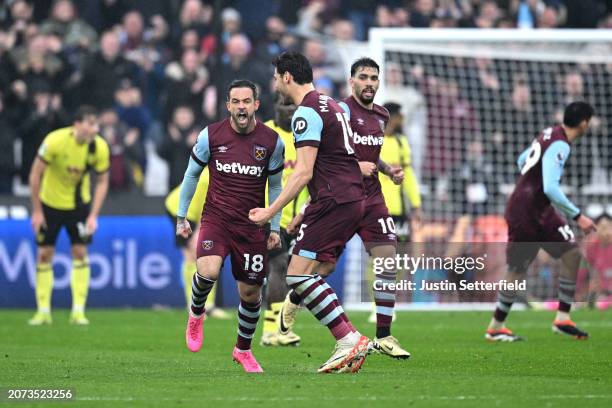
(239, 168)
(368, 140)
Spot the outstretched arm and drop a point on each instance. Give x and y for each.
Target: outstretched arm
(200, 155)
(301, 175)
(553, 162)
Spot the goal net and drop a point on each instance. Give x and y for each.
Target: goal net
(473, 100)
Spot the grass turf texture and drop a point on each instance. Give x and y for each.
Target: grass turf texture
(139, 358)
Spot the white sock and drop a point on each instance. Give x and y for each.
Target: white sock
(78, 309)
(350, 338)
(562, 316)
(495, 325)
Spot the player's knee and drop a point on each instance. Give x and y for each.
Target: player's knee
(572, 258)
(326, 269)
(249, 293)
(79, 252)
(517, 268)
(207, 268)
(45, 254)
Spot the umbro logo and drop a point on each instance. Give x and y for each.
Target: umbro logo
(360, 122)
(223, 149)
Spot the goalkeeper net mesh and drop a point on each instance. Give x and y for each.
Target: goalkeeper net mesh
(473, 101)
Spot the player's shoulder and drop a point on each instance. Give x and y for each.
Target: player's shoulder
(345, 104)
(100, 142)
(216, 127)
(381, 110)
(58, 135)
(267, 129)
(270, 123)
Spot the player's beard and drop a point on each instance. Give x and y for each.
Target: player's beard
(366, 100)
(241, 124)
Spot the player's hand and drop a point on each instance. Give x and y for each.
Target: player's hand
(260, 216)
(367, 168)
(91, 225)
(183, 228)
(294, 225)
(586, 224)
(38, 221)
(274, 241)
(397, 175)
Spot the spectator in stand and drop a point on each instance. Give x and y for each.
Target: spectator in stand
(239, 65)
(104, 71)
(194, 17)
(132, 31)
(184, 85)
(64, 23)
(488, 15)
(272, 44)
(549, 18)
(422, 13)
(125, 152)
(342, 30)
(7, 159)
(515, 128)
(17, 24)
(190, 40)
(360, 15)
(325, 63)
(450, 120)
(230, 26)
(473, 182)
(46, 115)
(595, 281)
(36, 62)
(131, 110)
(181, 135)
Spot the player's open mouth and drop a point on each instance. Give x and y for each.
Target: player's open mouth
(242, 117)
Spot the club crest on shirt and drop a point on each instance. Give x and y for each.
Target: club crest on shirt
(208, 244)
(260, 152)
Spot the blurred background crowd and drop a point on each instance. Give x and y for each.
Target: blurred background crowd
(158, 69)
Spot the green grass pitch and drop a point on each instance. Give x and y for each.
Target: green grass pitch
(139, 359)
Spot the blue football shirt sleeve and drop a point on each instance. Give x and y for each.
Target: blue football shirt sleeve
(553, 162)
(307, 126)
(345, 108)
(201, 150)
(200, 155)
(277, 161)
(275, 187)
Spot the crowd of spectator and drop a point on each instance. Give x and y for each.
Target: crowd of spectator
(158, 69)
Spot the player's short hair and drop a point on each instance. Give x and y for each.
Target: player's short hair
(393, 108)
(363, 62)
(576, 112)
(603, 216)
(83, 112)
(296, 64)
(242, 83)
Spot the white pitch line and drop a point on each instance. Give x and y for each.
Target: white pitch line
(344, 398)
